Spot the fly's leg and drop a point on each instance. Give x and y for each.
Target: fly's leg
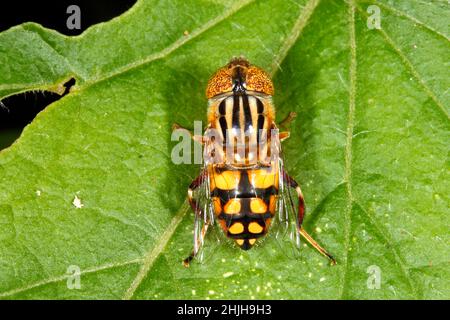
(287, 121)
(301, 212)
(187, 261)
(283, 135)
(200, 139)
(199, 214)
(290, 117)
(316, 245)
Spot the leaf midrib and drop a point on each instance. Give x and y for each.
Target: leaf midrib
(349, 142)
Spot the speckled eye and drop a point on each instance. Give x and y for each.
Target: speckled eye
(258, 80)
(220, 82)
(239, 72)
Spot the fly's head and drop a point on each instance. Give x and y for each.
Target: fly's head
(239, 76)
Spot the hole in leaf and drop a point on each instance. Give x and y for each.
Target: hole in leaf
(19, 110)
(53, 14)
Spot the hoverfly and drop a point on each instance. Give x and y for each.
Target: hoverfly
(243, 185)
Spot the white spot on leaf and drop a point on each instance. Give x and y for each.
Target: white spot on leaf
(77, 203)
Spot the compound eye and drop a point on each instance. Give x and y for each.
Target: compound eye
(220, 82)
(258, 80)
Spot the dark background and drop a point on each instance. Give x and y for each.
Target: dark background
(52, 14)
(19, 110)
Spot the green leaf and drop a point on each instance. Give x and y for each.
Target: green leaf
(369, 147)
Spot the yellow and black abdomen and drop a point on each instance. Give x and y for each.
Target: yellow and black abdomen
(244, 201)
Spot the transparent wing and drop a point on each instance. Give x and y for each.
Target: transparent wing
(204, 215)
(286, 220)
(291, 210)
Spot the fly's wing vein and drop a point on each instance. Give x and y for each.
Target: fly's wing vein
(204, 216)
(285, 228)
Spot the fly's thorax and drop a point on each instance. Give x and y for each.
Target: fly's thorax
(241, 129)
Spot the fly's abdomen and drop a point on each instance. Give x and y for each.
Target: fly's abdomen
(244, 201)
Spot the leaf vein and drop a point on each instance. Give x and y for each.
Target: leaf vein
(174, 46)
(413, 19)
(397, 255)
(295, 33)
(155, 251)
(348, 146)
(411, 69)
(64, 58)
(65, 276)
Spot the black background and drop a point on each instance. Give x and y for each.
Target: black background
(168, 309)
(52, 14)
